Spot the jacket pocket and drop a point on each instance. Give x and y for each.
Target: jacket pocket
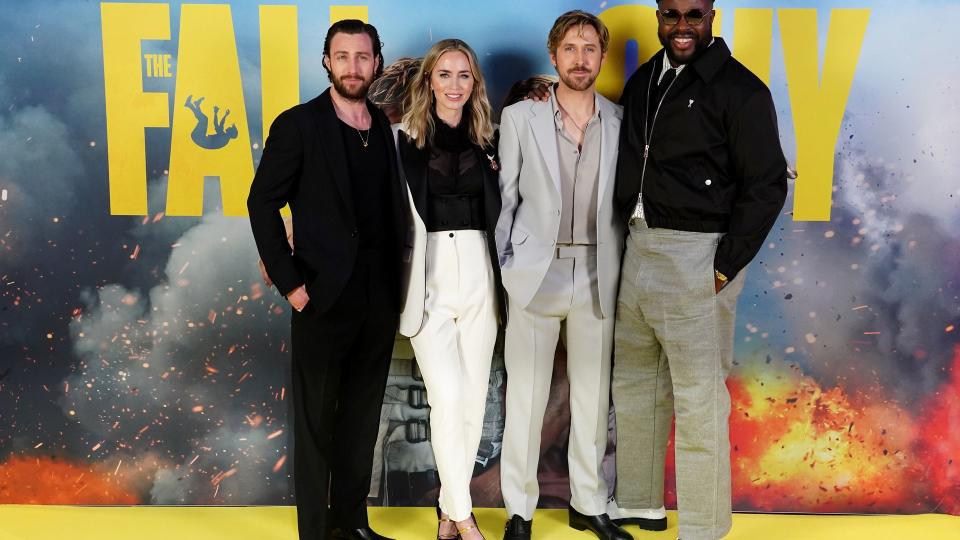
(518, 236)
(702, 181)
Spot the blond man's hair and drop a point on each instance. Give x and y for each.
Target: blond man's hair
(418, 115)
(576, 18)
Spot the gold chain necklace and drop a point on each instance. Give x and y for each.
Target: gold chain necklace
(566, 114)
(364, 141)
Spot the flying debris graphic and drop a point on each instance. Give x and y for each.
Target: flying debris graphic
(191, 371)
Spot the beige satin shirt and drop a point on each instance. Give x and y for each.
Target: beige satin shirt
(579, 177)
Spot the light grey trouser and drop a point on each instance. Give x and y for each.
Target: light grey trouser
(673, 350)
(567, 298)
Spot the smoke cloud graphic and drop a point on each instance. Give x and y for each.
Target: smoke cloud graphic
(192, 370)
(54, 176)
(869, 299)
(42, 168)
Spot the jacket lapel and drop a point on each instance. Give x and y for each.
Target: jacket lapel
(397, 189)
(487, 157)
(609, 136)
(544, 132)
(414, 163)
(328, 130)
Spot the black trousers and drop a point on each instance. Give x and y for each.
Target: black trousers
(341, 359)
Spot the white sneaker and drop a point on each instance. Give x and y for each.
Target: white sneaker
(650, 519)
(615, 512)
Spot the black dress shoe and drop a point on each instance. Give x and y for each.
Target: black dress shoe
(517, 528)
(601, 525)
(646, 524)
(365, 533)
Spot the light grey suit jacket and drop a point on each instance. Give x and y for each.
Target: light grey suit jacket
(530, 190)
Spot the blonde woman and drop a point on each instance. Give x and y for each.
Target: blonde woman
(453, 298)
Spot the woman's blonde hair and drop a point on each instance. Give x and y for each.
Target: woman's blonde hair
(420, 99)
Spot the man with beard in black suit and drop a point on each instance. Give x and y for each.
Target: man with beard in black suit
(333, 160)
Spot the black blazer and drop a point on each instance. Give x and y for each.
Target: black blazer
(304, 164)
(414, 162)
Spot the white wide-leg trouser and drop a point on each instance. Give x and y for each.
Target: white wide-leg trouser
(454, 349)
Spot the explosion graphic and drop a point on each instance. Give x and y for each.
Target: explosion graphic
(940, 445)
(39, 480)
(796, 444)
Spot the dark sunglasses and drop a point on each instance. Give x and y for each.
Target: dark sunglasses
(693, 17)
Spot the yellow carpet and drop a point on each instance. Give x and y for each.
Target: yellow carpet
(22, 522)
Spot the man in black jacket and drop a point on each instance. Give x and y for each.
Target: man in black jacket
(701, 180)
(334, 161)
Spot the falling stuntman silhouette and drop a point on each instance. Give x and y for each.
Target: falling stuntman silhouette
(199, 133)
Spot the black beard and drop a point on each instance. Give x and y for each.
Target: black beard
(358, 94)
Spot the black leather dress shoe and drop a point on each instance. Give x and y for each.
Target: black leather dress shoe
(366, 533)
(517, 528)
(601, 525)
(644, 523)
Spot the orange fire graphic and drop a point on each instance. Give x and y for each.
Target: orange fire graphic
(797, 446)
(939, 443)
(43, 480)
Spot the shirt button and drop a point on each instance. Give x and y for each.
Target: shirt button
(708, 181)
(451, 235)
(354, 233)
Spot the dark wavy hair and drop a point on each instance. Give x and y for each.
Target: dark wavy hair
(355, 26)
(389, 89)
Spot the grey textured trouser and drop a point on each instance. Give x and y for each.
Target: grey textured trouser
(673, 350)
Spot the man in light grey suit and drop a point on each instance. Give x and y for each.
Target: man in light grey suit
(560, 244)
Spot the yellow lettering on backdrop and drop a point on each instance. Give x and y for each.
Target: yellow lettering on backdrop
(208, 68)
(129, 109)
(157, 65)
(152, 68)
(753, 40)
(339, 13)
(279, 65)
(626, 23)
(818, 101)
(630, 23)
(279, 61)
(165, 72)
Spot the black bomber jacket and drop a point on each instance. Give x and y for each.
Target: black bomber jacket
(712, 161)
